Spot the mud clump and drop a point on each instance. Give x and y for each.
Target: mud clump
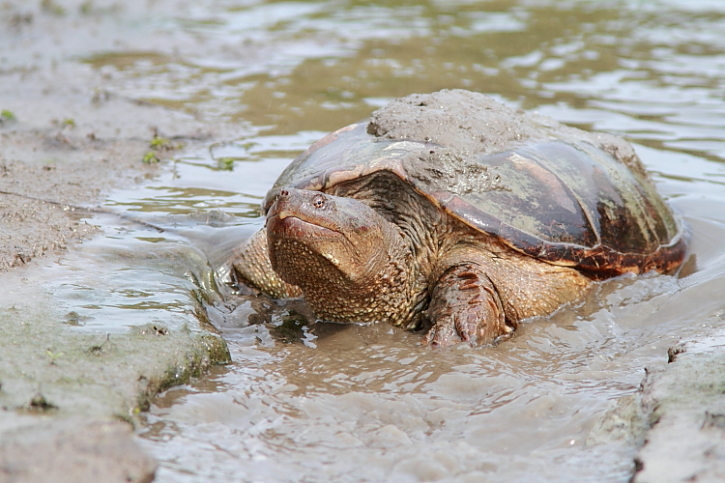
(478, 125)
(74, 451)
(472, 122)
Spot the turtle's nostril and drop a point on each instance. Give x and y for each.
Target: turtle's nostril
(284, 193)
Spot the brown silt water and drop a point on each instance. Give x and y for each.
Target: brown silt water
(323, 402)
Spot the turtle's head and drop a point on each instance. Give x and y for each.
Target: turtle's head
(350, 262)
(308, 231)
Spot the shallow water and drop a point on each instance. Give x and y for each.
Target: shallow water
(334, 403)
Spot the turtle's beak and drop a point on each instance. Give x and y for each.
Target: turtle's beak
(280, 206)
(293, 214)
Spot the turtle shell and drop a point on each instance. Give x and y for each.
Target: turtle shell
(566, 202)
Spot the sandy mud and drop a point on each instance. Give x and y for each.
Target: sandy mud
(64, 144)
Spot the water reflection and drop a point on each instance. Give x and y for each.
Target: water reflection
(368, 403)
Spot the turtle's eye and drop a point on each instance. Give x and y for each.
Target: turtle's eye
(318, 201)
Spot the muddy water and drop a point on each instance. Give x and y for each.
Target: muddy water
(332, 403)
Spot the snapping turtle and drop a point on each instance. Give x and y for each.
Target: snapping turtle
(452, 213)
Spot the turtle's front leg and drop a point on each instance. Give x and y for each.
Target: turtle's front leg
(251, 267)
(465, 306)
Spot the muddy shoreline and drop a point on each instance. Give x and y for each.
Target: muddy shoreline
(75, 396)
(65, 143)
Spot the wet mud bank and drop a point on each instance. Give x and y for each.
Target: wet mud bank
(687, 416)
(677, 417)
(74, 396)
(69, 399)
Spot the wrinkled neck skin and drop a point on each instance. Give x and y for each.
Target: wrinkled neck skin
(352, 264)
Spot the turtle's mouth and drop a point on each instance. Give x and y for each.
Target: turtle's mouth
(289, 225)
(298, 248)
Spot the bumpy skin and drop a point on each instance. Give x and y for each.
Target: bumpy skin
(253, 262)
(461, 299)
